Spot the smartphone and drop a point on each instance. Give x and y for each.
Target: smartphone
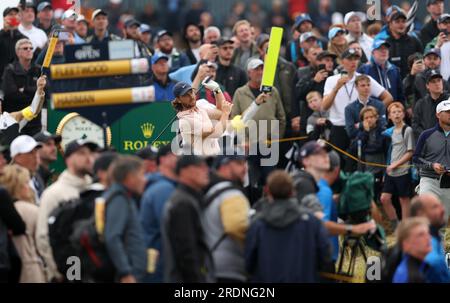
(321, 66)
(64, 36)
(344, 73)
(445, 31)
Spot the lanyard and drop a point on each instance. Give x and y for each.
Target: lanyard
(351, 92)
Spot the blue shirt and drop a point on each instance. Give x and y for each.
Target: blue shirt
(325, 196)
(439, 271)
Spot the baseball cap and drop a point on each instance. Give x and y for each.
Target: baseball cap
(162, 33)
(181, 88)
(443, 106)
(334, 31)
(397, 15)
(325, 54)
(145, 28)
(302, 18)
(45, 136)
(443, 17)
(147, 153)
(224, 40)
(378, 43)
(433, 74)
(392, 9)
(158, 56)
(98, 12)
(429, 2)
(10, 9)
(254, 63)
(104, 161)
(22, 145)
(305, 36)
(131, 22)
(188, 160)
(29, 3)
(350, 52)
(351, 14)
(227, 157)
(262, 38)
(82, 18)
(164, 151)
(434, 51)
(312, 148)
(335, 160)
(75, 145)
(44, 5)
(68, 14)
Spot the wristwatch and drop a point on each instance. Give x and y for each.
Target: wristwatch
(348, 229)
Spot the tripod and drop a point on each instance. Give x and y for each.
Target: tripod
(355, 243)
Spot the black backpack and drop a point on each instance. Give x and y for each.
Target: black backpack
(390, 260)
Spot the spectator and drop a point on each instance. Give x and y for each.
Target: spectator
(193, 35)
(353, 24)
(430, 30)
(151, 212)
(100, 22)
(323, 16)
(413, 234)
(340, 91)
(303, 24)
(229, 75)
(10, 222)
(415, 83)
(194, 12)
(310, 78)
(237, 13)
(318, 125)
(445, 49)
(355, 44)
(187, 256)
(82, 27)
(443, 25)
(402, 44)
(74, 180)
(148, 156)
(212, 34)
(19, 84)
(131, 31)
(24, 152)
(205, 70)
(16, 181)
(124, 237)
(281, 223)
(337, 42)
(115, 9)
(226, 216)
(146, 36)
(374, 29)
(197, 131)
(424, 116)
(431, 157)
(47, 155)
(270, 111)
(69, 23)
(247, 47)
(45, 20)
(353, 110)
(36, 35)
(161, 80)
(397, 180)
(429, 206)
(151, 15)
(284, 74)
(385, 73)
(165, 45)
(9, 36)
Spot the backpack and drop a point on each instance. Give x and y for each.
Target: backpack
(390, 260)
(356, 197)
(91, 249)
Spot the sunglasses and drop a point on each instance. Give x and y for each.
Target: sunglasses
(26, 48)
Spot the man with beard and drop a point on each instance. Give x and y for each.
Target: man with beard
(47, 154)
(193, 36)
(75, 179)
(429, 206)
(164, 44)
(226, 217)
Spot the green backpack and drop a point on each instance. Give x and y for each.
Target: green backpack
(356, 196)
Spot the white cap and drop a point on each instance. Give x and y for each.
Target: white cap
(69, 14)
(81, 18)
(306, 36)
(351, 14)
(443, 106)
(22, 145)
(254, 63)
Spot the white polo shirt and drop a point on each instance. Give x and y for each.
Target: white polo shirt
(346, 95)
(36, 35)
